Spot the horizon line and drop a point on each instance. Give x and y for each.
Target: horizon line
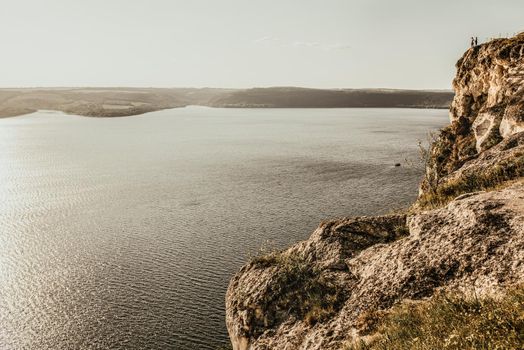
(219, 88)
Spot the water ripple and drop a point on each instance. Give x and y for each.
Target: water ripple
(123, 233)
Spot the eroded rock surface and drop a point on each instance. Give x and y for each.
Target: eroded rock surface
(488, 105)
(315, 294)
(475, 242)
(489, 89)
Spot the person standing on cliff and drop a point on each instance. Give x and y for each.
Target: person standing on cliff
(476, 40)
(472, 41)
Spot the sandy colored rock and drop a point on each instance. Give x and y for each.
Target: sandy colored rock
(315, 294)
(474, 243)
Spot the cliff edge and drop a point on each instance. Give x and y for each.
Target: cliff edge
(464, 233)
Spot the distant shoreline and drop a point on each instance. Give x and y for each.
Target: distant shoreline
(123, 102)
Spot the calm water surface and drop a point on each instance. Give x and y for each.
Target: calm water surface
(123, 233)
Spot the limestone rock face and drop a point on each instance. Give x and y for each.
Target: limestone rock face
(475, 242)
(513, 120)
(316, 294)
(505, 155)
(486, 129)
(489, 92)
(488, 107)
(276, 292)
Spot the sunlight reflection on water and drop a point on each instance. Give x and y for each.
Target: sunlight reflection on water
(123, 233)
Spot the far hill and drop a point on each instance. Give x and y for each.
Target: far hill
(292, 97)
(118, 102)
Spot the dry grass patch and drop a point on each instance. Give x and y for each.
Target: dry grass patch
(490, 179)
(452, 321)
(299, 288)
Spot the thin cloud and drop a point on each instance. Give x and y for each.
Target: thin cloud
(320, 46)
(274, 41)
(266, 39)
(306, 44)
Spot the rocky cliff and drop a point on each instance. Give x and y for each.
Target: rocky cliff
(488, 106)
(465, 232)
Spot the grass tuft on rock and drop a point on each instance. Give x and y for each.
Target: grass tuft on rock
(298, 288)
(450, 321)
(490, 179)
(304, 291)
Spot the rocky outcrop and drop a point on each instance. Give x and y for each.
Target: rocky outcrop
(366, 264)
(466, 231)
(490, 89)
(488, 105)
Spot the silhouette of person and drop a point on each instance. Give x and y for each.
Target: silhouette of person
(472, 41)
(476, 40)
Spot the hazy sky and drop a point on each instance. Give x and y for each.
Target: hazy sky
(244, 43)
